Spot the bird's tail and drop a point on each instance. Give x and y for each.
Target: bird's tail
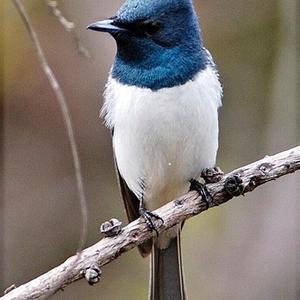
(166, 278)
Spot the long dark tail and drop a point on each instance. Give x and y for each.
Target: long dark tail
(166, 279)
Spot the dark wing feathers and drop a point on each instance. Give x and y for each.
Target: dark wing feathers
(131, 202)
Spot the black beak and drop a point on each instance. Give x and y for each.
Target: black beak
(106, 26)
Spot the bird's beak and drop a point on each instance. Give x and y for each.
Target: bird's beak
(106, 26)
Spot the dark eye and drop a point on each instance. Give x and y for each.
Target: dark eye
(151, 27)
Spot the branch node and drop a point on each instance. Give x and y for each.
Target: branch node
(265, 168)
(111, 228)
(212, 175)
(234, 186)
(92, 274)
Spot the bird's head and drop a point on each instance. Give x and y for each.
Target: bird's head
(159, 42)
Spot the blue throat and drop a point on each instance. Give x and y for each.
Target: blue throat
(170, 58)
(174, 67)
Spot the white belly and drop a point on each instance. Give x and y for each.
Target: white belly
(164, 138)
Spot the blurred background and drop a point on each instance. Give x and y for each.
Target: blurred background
(247, 249)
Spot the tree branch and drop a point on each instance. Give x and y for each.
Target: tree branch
(69, 27)
(183, 208)
(2, 121)
(66, 117)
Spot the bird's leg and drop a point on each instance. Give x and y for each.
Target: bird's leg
(149, 216)
(212, 175)
(202, 190)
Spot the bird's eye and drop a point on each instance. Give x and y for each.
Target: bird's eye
(151, 27)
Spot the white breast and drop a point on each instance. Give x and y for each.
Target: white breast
(164, 138)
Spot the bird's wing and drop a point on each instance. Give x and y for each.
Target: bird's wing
(132, 204)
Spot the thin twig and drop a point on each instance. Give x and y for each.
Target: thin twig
(2, 123)
(187, 206)
(69, 27)
(66, 115)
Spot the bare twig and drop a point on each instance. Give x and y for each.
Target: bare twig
(69, 27)
(187, 206)
(2, 121)
(66, 115)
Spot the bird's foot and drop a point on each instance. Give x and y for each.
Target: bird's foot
(234, 186)
(202, 190)
(150, 218)
(212, 175)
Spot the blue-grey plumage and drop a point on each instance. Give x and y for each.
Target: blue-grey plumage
(161, 102)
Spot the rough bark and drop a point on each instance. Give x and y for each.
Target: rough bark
(183, 208)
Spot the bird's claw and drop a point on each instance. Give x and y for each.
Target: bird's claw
(149, 216)
(202, 190)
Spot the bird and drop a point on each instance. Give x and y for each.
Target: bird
(161, 103)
